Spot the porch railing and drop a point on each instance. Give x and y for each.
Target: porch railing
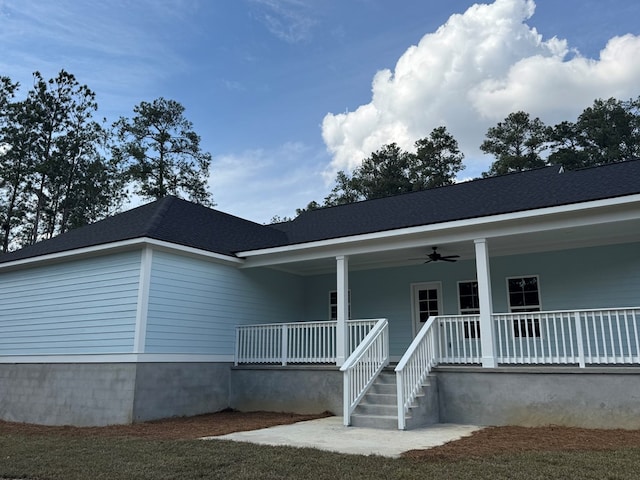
(563, 337)
(459, 339)
(299, 342)
(363, 366)
(583, 337)
(415, 365)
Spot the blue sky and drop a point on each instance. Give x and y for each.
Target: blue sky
(286, 92)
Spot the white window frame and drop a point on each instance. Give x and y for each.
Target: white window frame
(467, 311)
(469, 332)
(536, 326)
(415, 317)
(334, 306)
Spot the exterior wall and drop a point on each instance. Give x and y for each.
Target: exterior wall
(569, 279)
(165, 390)
(98, 394)
(67, 394)
(589, 398)
(195, 305)
(287, 389)
(82, 306)
(595, 277)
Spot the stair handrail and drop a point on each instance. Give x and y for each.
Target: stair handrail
(414, 367)
(363, 366)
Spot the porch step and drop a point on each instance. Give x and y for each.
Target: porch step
(379, 407)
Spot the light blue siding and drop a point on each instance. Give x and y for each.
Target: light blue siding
(570, 279)
(595, 277)
(386, 293)
(195, 305)
(84, 306)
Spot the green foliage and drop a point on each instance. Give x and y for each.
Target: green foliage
(392, 171)
(437, 160)
(606, 132)
(517, 144)
(54, 172)
(161, 153)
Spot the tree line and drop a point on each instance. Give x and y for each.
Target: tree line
(606, 132)
(61, 168)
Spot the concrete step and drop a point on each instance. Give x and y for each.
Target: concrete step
(383, 388)
(376, 409)
(381, 398)
(386, 422)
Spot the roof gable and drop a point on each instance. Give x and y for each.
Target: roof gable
(169, 219)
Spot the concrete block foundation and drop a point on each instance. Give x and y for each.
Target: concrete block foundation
(97, 394)
(529, 396)
(120, 393)
(291, 389)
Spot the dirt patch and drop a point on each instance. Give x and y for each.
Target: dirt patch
(486, 442)
(507, 440)
(186, 428)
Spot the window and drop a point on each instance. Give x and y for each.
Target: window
(524, 296)
(468, 298)
(469, 304)
(333, 305)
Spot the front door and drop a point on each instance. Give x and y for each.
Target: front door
(427, 301)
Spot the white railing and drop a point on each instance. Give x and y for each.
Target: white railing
(583, 337)
(415, 365)
(363, 366)
(299, 342)
(459, 339)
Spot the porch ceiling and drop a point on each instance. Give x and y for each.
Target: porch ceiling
(390, 255)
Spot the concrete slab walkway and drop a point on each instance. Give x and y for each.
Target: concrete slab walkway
(329, 434)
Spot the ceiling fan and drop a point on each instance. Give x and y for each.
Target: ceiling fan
(436, 257)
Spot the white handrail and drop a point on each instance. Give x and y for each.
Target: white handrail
(415, 365)
(297, 342)
(583, 337)
(363, 366)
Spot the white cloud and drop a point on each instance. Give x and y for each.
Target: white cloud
(289, 20)
(471, 73)
(259, 184)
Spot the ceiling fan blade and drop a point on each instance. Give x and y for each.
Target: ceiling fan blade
(447, 259)
(450, 256)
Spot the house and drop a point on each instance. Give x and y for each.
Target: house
(505, 300)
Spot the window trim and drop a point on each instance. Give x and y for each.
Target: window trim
(469, 331)
(532, 327)
(331, 305)
(460, 309)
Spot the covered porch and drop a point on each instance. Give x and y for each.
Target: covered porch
(547, 292)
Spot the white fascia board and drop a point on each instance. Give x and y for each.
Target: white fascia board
(117, 358)
(457, 230)
(120, 246)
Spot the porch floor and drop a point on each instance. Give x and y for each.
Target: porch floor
(331, 435)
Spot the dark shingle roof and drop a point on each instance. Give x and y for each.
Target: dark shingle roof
(532, 189)
(180, 222)
(169, 219)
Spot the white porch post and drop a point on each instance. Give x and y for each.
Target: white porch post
(487, 336)
(342, 334)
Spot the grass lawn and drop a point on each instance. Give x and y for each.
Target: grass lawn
(94, 458)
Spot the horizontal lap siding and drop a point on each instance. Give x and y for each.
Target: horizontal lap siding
(195, 305)
(583, 278)
(79, 307)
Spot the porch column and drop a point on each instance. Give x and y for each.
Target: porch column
(342, 333)
(487, 336)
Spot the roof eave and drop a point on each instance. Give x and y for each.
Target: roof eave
(113, 247)
(357, 243)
